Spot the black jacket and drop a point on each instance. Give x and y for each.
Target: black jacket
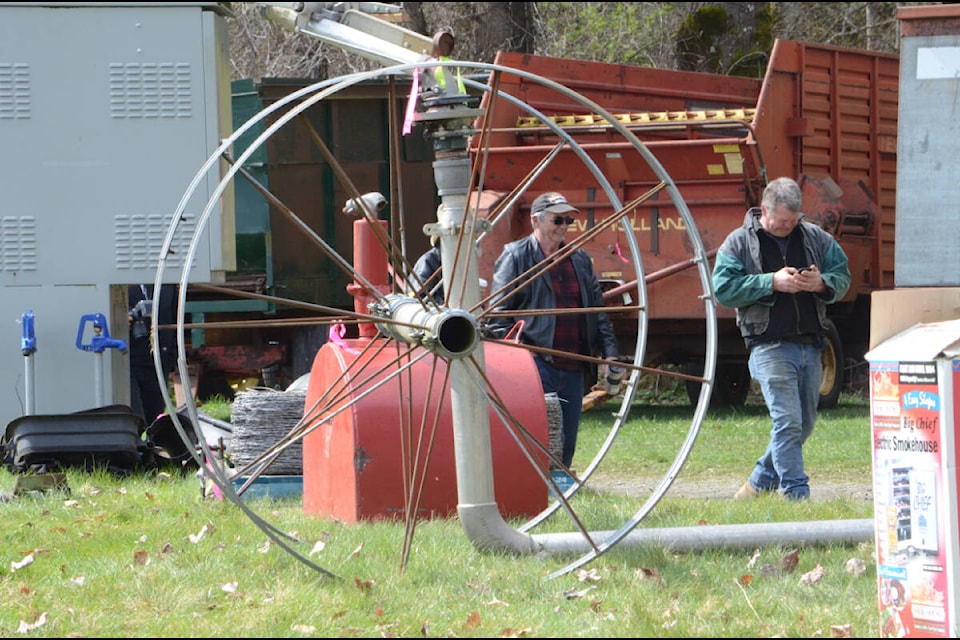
(522, 255)
(140, 348)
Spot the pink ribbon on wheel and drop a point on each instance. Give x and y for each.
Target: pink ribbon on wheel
(337, 331)
(411, 103)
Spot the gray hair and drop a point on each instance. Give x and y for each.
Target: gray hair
(782, 191)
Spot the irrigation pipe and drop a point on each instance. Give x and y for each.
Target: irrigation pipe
(697, 538)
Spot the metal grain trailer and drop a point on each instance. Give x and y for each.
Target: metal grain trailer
(825, 115)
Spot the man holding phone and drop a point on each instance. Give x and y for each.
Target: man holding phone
(781, 311)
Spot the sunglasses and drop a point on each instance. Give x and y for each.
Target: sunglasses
(559, 220)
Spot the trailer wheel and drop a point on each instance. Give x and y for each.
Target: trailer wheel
(832, 359)
(731, 387)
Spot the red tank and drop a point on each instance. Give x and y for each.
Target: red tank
(358, 465)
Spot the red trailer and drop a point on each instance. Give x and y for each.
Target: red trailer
(824, 115)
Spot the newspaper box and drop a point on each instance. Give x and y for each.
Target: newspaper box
(914, 385)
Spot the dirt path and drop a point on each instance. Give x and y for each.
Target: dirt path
(820, 489)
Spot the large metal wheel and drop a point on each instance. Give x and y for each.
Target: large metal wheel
(450, 338)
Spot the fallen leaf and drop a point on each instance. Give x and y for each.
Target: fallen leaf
(266, 546)
(813, 576)
(473, 620)
(73, 504)
(745, 580)
(651, 574)
(425, 629)
(355, 552)
(509, 632)
(25, 626)
(753, 559)
(230, 587)
(364, 585)
(199, 536)
(207, 528)
(855, 566)
(141, 558)
(583, 575)
(841, 631)
(496, 602)
(78, 581)
(768, 570)
(26, 562)
(318, 547)
(303, 628)
(789, 560)
(573, 594)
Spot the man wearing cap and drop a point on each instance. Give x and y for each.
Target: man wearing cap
(567, 283)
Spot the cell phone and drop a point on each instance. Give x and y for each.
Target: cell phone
(802, 269)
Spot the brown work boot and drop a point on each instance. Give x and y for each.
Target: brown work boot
(746, 492)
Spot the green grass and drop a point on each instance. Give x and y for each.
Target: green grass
(728, 443)
(115, 556)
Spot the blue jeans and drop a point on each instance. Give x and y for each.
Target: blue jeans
(568, 385)
(789, 376)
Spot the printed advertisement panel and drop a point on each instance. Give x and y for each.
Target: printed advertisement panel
(909, 495)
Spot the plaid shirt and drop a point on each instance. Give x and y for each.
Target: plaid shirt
(567, 335)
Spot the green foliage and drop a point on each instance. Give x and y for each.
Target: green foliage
(697, 39)
(617, 32)
(217, 407)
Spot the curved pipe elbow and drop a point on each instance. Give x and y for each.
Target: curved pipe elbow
(487, 531)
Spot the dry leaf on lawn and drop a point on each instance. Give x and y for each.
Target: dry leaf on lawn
(588, 574)
(855, 566)
(26, 562)
(26, 626)
(509, 632)
(813, 576)
(199, 535)
(473, 620)
(573, 594)
(363, 585)
(651, 574)
(789, 560)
